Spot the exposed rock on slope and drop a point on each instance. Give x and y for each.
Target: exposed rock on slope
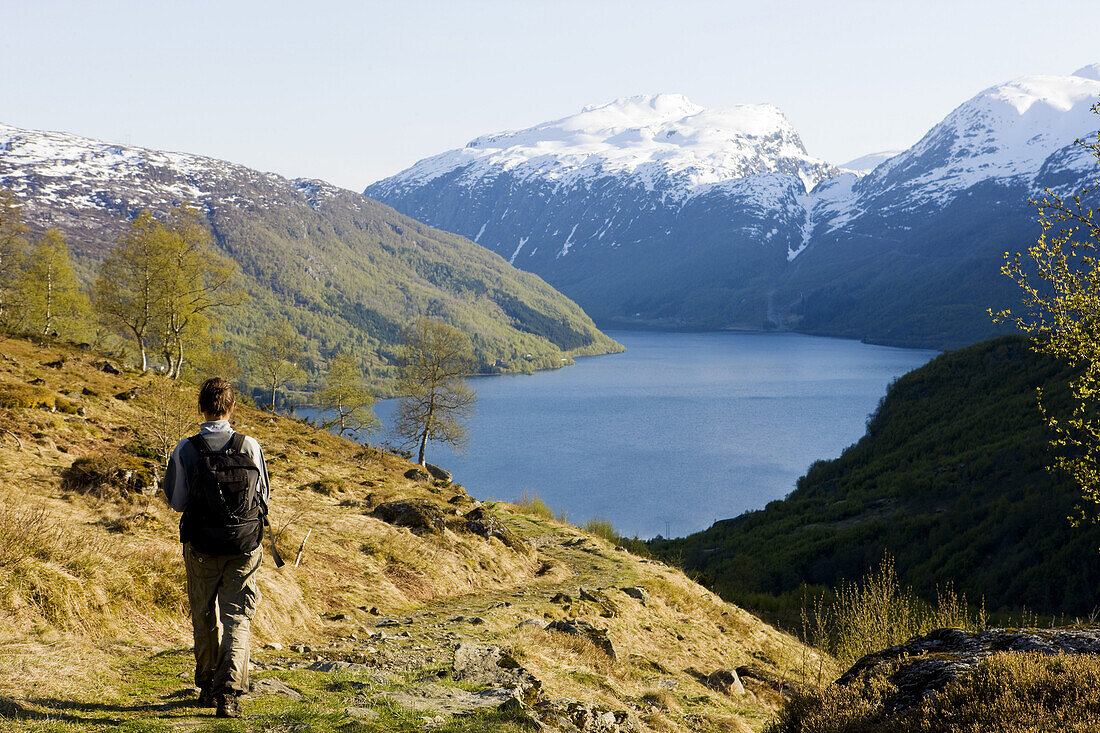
(927, 664)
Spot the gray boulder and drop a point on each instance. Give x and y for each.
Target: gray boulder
(482, 522)
(489, 665)
(416, 514)
(924, 665)
(725, 681)
(330, 665)
(576, 627)
(439, 699)
(439, 474)
(274, 686)
(607, 608)
(571, 715)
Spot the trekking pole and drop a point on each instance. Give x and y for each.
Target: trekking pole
(302, 547)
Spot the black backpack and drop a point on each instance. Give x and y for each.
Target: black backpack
(225, 513)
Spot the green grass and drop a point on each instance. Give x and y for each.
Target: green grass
(156, 695)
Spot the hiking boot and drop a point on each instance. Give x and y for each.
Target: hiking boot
(206, 698)
(229, 706)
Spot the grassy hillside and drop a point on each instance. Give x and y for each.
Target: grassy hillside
(349, 273)
(93, 626)
(950, 479)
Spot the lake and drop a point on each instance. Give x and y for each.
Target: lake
(680, 430)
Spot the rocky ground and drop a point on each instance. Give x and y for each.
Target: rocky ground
(413, 606)
(924, 666)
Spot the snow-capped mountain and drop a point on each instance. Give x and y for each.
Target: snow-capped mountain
(90, 188)
(308, 251)
(662, 142)
(602, 202)
(655, 211)
(1006, 132)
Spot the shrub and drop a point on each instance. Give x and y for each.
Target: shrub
(26, 396)
(601, 528)
(327, 485)
(1009, 693)
(877, 613)
(531, 504)
(108, 475)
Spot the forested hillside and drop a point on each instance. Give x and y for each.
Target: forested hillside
(348, 273)
(950, 479)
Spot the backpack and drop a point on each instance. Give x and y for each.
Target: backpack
(225, 513)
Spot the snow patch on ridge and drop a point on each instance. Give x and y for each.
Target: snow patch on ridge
(660, 142)
(568, 241)
(522, 241)
(1005, 132)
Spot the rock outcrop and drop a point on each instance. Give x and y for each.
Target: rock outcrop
(926, 664)
(484, 523)
(489, 665)
(416, 514)
(576, 627)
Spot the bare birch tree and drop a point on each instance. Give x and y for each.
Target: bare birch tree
(435, 400)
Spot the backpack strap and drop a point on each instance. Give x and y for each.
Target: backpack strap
(200, 445)
(236, 443)
(274, 550)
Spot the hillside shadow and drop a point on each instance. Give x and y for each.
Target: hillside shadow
(84, 713)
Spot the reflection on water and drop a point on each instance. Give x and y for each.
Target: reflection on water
(679, 431)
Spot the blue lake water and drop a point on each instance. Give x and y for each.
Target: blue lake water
(680, 430)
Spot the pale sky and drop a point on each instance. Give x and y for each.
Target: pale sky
(351, 92)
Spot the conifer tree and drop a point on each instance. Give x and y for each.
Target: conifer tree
(344, 394)
(435, 400)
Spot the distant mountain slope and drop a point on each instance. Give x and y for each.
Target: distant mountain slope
(950, 480)
(648, 210)
(911, 254)
(653, 211)
(866, 163)
(349, 272)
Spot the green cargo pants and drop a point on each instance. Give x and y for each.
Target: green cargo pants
(223, 592)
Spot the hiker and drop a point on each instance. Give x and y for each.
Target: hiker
(219, 480)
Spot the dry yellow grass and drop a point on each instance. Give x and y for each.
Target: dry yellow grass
(1012, 693)
(89, 582)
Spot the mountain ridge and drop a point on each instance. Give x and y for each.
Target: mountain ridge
(349, 272)
(785, 241)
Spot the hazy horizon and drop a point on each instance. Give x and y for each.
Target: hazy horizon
(359, 91)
